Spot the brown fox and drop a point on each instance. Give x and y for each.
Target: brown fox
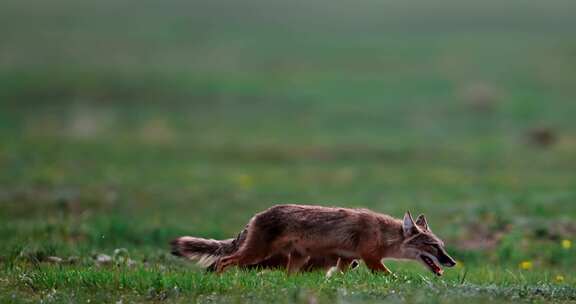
(207, 253)
(305, 233)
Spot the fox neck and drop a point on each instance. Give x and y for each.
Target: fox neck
(392, 238)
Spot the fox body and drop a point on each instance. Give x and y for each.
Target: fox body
(207, 252)
(303, 234)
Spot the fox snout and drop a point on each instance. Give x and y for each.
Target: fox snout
(445, 259)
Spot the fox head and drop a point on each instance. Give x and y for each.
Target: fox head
(422, 245)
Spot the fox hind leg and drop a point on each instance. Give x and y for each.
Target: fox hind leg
(295, 262)
(226, 262)
(344, 264)
(242, 258)
(255, 249)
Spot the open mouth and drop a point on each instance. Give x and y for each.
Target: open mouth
(435, 268)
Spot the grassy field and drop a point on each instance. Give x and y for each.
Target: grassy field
(124, 124)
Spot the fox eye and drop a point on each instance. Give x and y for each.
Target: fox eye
(434, 246)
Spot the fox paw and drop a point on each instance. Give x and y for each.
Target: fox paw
(330, 273)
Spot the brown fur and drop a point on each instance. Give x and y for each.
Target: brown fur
(306, 232)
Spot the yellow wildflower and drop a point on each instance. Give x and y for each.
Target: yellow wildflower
(566, 244)
(559, 278)
(245, 181)
(526, 265)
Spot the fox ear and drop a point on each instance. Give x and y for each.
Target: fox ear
(408, 226)
(422, 222)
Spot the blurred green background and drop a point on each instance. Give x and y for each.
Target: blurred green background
(127, 123)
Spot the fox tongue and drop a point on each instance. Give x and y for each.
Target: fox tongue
(438, 270)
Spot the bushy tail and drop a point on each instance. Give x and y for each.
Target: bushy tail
(206, 252)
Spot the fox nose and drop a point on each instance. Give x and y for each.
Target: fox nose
(447, 260)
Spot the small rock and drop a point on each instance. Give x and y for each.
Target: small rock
(103, 259)
(543, 137)
(120, 252)
(480, 96)
(130, 263)
(72, 260)
(53, 259)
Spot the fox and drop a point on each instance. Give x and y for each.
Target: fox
(304, 233)
(207, 252)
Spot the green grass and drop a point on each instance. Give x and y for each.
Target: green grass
(173, 284)
(124, 125)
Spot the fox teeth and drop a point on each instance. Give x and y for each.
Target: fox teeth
(432, 265)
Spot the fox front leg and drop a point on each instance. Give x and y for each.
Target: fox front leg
(376, 265)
